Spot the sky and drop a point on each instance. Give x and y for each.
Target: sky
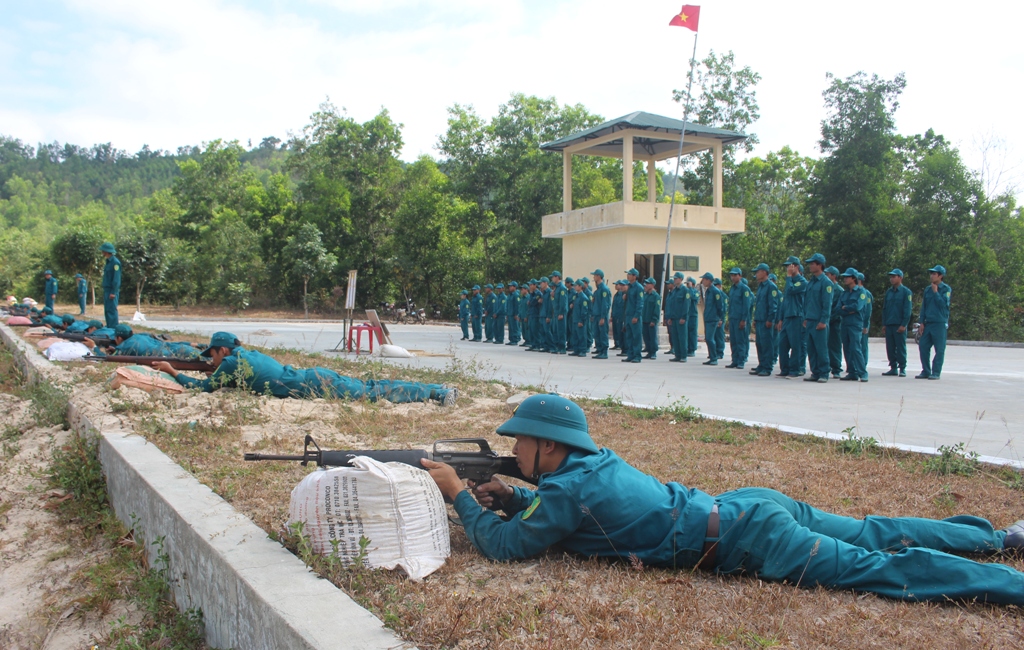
(167, 74)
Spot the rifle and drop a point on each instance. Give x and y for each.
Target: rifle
(100, 341)
(177, 364)
(478, 466)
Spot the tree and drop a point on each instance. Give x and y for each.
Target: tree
(77, 251)
(309, 257)
(142, 256)
(727, 99)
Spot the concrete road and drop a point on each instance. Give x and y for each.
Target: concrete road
(978, 401)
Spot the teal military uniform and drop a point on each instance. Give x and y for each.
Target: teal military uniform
(934, 319)
(853, 305)
(525, 298)
(53, 321)
(897, 307)
(543, 329)
(257, 372)
(618, 314)
(818, 311)
(82, 286)
(632, 332)
(720, 332)
(677, 317)
(569, 321)
(77, 327)
(714, 317)
(145, 345)
(791, 337)
(835, 337)
(51, 290)
(651, 318)
(741, 302)
(766, 310)
(691, 330)
(558, 308)
(464, 315)
(476, 312)
(111, 285)
(498, 315)
(512, 314)
(488, 313)
(581, 322)
(597, 505)
(599, 315)
(867, 319)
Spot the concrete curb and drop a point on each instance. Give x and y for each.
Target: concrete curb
(252, 591)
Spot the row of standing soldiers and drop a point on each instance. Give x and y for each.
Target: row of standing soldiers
(111, 288)
(810, 319)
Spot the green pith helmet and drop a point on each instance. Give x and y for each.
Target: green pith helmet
(67, 319)
(550, 417)
(123, 331)
(107, 247)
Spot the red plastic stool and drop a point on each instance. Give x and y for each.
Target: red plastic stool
(372, 332)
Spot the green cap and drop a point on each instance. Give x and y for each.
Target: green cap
(464, 292)
(476, 287)
(555, 274)
(938, 268)
(707, 276)
(717, 282)
(762, 267)
(579, 283)
(78, 275)
(690, 279)
(585, 280)
(48, 310)
(568, 279)
(792, 259)
(773, 277)
(633, 272)
(67, 319)
(860, 276)
(123, 331)
(533, 282)
(488, 286)
(221, 340)
(896, 272)
(107, 247)
(513, 283)
(735, 271)
(620, 282)
(650, 281)
(849, 273)
(95, 324)
(47, 272)
(678, 275)
(499, 286)
(832, 270)
(597, 272)
(817, 257)
(550, 417)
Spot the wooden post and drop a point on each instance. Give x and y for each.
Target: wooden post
(627, 167)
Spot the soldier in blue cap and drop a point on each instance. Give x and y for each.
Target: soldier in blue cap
(512, 312)
(619, 315)
(714, 315)
(580, 320)
(254, 371)
(526, 312)
(600, 307)
(651, 318)
(897, 307)
(542, 331)
(691, 330)
(589, 501)
(741, 302)
(558, 308)
(111, 283)
(934, 321)
(83, 290)
(720, 332)
(817, 311)
(677, 315)
(464, 315)
(835, 338)
(498, 315)
(128, 343)
(867, 317)
(476, 313)
(632, 316)
(853, 306)
(50, 292)
(570, 290)
(488, 312)
(790, 326)
(766, 313)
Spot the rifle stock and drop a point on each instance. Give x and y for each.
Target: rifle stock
(478, 466)
(177, 364)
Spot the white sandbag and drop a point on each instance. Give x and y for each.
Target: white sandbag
(397, 507)
(139, 317)
(395, 352)
(66, 351)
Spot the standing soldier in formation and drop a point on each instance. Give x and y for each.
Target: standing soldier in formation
(476, 312)
(867, 317)
(50, 292)
(766, 308)
(111, 284)
(934, 321)
(543, 310)
(618, 314)
(896, 309)
(525, 322)
(498, 328)
(720, 333)
(581, 320)
(677, 318)
(464, 315)
(488, 313)
(691, 329)
(634, 307)
(853, 306)
(600, 307)
(512, 313)
(741, 302)
(790, 325)
(835, 338)
(714, 316)
(83, 291)
(558, 307)
(651, 318)
(570, 291)
(817, 311)
(590, 297)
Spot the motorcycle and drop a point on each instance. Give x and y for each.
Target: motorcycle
(435, 311)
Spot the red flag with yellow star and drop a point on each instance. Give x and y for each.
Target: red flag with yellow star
(687, 17)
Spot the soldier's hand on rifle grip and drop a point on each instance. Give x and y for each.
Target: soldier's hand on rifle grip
(163, 366)
(492, 494)
(444, 475)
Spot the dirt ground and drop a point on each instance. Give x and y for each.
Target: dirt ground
(153, 312)
(558, 601)
(40, 568)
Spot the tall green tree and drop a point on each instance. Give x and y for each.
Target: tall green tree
(308, 258)
(142, 255)
(77, 251)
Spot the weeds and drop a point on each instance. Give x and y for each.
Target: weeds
(76, 469)
(952, 459)
(855, 445)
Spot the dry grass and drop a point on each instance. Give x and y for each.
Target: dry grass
(557, 601)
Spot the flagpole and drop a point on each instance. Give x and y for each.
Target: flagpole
(679, 156)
